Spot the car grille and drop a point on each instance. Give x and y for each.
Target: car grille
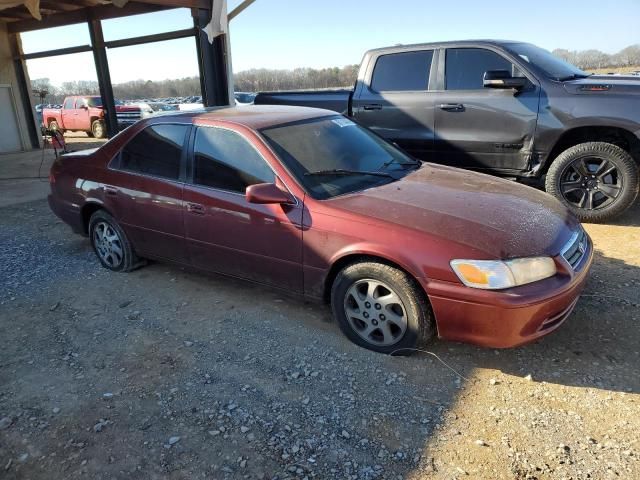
(128, 117)
(575, 250)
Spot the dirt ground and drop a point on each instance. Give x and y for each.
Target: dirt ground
(169, 373)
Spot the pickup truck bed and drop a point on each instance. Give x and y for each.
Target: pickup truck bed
(336, 100)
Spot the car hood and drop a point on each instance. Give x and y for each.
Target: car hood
(604, 85)
(498, 217)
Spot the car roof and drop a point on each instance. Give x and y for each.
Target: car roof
(252, 116)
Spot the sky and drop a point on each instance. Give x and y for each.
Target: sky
(327, 33)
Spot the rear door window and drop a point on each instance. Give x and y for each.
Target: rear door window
(155, 151)
(225, 160)
(465, 67)
(399, 72)
(68, 103)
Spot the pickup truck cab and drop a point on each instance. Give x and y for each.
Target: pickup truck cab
(78, 113)
(501, 107)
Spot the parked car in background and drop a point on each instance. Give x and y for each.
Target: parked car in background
(507, 108)
(86, 114)
(310, 202)
(244, 98)
(78, 113)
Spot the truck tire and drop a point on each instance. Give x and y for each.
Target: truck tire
(53, 125)
(97, 129)
(596, 180)
(381, 308)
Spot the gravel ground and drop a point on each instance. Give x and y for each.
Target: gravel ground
(169, 373)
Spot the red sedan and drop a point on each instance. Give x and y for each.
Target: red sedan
(310, 202)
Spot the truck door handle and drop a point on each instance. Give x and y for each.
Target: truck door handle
(452, 107)
(373, 106)
(195, 208)
(112, 191)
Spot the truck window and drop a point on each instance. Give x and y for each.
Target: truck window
(465, 67)
(68, 103)
(399, 72)
(225, 160)
(155, 151)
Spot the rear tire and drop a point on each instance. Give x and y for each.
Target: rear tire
(381, 308)
(597, 181)
(110, 243)
(98, 129)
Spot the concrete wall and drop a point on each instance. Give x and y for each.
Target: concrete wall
(8, 76)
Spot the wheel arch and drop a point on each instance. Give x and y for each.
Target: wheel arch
(88, 209)
(357, 257)
(618, 136)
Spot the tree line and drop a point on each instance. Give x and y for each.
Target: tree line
(586, 59)
(263, 79)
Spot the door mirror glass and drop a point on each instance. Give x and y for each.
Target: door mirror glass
(502, 79)
(268, 193)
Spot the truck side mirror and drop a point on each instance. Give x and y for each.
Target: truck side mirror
(502, 79)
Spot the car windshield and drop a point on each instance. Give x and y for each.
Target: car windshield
(94, 101)
(553, 67)
(332, 156)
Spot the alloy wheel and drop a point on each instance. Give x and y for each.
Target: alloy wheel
(108, 244)
(375, 312)
(590, 183)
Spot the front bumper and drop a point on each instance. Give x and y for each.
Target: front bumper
(509, 318)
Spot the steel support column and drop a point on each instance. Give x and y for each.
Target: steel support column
(212, 62)
(24, 88)
(104, 78)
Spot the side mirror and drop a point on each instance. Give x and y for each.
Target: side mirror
(268, 193)
(84, 107)
(502, 79)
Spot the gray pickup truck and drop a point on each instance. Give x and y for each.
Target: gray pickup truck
(507, 108)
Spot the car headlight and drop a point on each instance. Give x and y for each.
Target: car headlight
(497, 274)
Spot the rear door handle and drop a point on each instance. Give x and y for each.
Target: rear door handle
(195, 208)
(452, 107)
(113, 191)
(373, 106)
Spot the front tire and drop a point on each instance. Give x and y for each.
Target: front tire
(53, 126)
(381, 308)
(596, 180)
(110, 243)
(98, 129)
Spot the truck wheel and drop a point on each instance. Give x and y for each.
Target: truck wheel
(53, 125)
(596, 180)
(97, 129)
(381, 308)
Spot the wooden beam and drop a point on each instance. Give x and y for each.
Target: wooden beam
(239, 9)
(203, 4)
(158, 37)
(57, 6)
(18, 13)
(54, 53)
(81, 15)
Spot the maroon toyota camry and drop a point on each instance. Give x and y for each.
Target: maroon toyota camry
(310, 202)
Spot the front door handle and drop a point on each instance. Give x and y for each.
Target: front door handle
(373, 106)
(195, 208)
(112, 191)
(452, 107)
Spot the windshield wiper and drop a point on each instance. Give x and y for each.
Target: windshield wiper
(342, 171)
(414, 163)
